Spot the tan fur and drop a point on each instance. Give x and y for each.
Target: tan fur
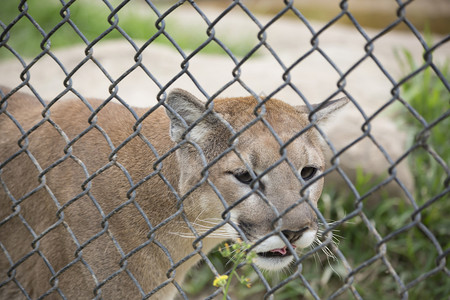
(60, 196)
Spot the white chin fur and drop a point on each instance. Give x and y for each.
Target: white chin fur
(275, 242)
(273, 264)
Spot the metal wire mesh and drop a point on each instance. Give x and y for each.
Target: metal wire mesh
(16, 218)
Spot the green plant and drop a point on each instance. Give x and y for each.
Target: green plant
(428, 97)
(239, 254)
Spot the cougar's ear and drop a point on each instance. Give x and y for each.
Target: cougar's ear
(184, 109)
(326, 110)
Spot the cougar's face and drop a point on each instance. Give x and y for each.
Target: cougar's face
(267, 183)
(265, 187)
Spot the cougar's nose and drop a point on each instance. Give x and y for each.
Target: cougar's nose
(294, 236)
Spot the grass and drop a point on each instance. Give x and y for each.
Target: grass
(91, 19)
(428, 97)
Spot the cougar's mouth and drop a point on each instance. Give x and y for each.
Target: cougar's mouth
(278, 252)
(273, 254)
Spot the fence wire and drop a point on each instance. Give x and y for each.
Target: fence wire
(356, 273)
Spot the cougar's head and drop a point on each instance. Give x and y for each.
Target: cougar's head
(256, 168)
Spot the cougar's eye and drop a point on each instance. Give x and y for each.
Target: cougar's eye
(243, 177)
(308, 172)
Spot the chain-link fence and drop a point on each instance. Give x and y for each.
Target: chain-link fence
(120, 197)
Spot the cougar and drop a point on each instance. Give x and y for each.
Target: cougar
(100, 200)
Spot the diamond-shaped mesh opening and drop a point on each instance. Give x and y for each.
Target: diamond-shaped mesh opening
(119, 197)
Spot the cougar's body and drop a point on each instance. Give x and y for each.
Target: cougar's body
(78, 218)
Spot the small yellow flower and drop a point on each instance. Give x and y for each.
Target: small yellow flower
(226, 251)
(248, 283)
(220, 280)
